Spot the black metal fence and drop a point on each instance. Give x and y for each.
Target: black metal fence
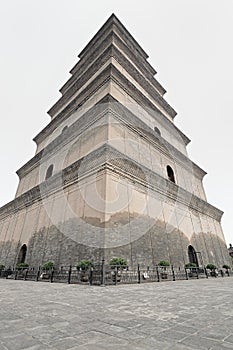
(103, 274)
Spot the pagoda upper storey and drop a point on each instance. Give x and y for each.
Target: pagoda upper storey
(112, 55)
(113, 99)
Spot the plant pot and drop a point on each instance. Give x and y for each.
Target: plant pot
(213, 274)
(116, 277)
(164, 275)
(84, 277)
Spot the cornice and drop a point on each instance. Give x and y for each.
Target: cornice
(112, 73)
(129, 119)
(139, 97)
(153, 88)
(113, 24)
(166, 188)
(112, 39)
(123, 115)
(76, 103)
(84, 95)
(76, 129)
(107, 157)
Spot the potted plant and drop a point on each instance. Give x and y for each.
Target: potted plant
(213, 269)
(190, 267)
(83, 266)
(225, 266)
(46, 269)
(21, 269)
(117, 264)
(164, 264)
(21, 266)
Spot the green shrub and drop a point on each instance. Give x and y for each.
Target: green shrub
(211, 267)
(22, 266)
(2, 267)
(225, 266)
(84, 265)
(118, 262)
(190, 265)
(164, 263)
(48, 265)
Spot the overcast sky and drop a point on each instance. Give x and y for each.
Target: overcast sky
(190, 46)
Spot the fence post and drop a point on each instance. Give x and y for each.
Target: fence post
(16, 274)
(38, 274)
(206, 273)
(115, 275)
(173, 274)
(157, 271)
(186, 274)
(102, 282)
(197, 273)
(139, 274)
(69, 274)
(26, 273)
(51, 276)
(91, 276)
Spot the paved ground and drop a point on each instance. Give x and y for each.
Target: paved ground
(182, 315)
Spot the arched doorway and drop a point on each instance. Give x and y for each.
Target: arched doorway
(192, 255)
(22, 254)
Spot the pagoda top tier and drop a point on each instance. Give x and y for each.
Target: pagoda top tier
(112, 47)
(113, 24)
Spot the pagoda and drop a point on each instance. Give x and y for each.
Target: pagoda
(111, 176)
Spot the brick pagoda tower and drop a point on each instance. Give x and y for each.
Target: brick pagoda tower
(111, 176)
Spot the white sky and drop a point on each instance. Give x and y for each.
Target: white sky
(190, 46)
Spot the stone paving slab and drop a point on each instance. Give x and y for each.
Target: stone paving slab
(181, 315)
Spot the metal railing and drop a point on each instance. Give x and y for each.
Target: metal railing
(103, 274)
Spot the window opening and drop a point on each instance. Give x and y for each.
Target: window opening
(157, 130)
(49, 172)
(170, 174)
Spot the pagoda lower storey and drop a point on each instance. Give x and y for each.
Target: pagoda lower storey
(108, 206)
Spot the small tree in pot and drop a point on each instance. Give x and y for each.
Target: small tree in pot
(83, 266)
(213, 269)
(117, 264)
(164, 264)
(47, 267)
(22, 269)
(191, 268)
(21, 266)
(225, 266)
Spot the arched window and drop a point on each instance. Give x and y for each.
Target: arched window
(22, 254)
(64, 129)
(157, 130)
(49, 172)
(192, 255)
(170, 174)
